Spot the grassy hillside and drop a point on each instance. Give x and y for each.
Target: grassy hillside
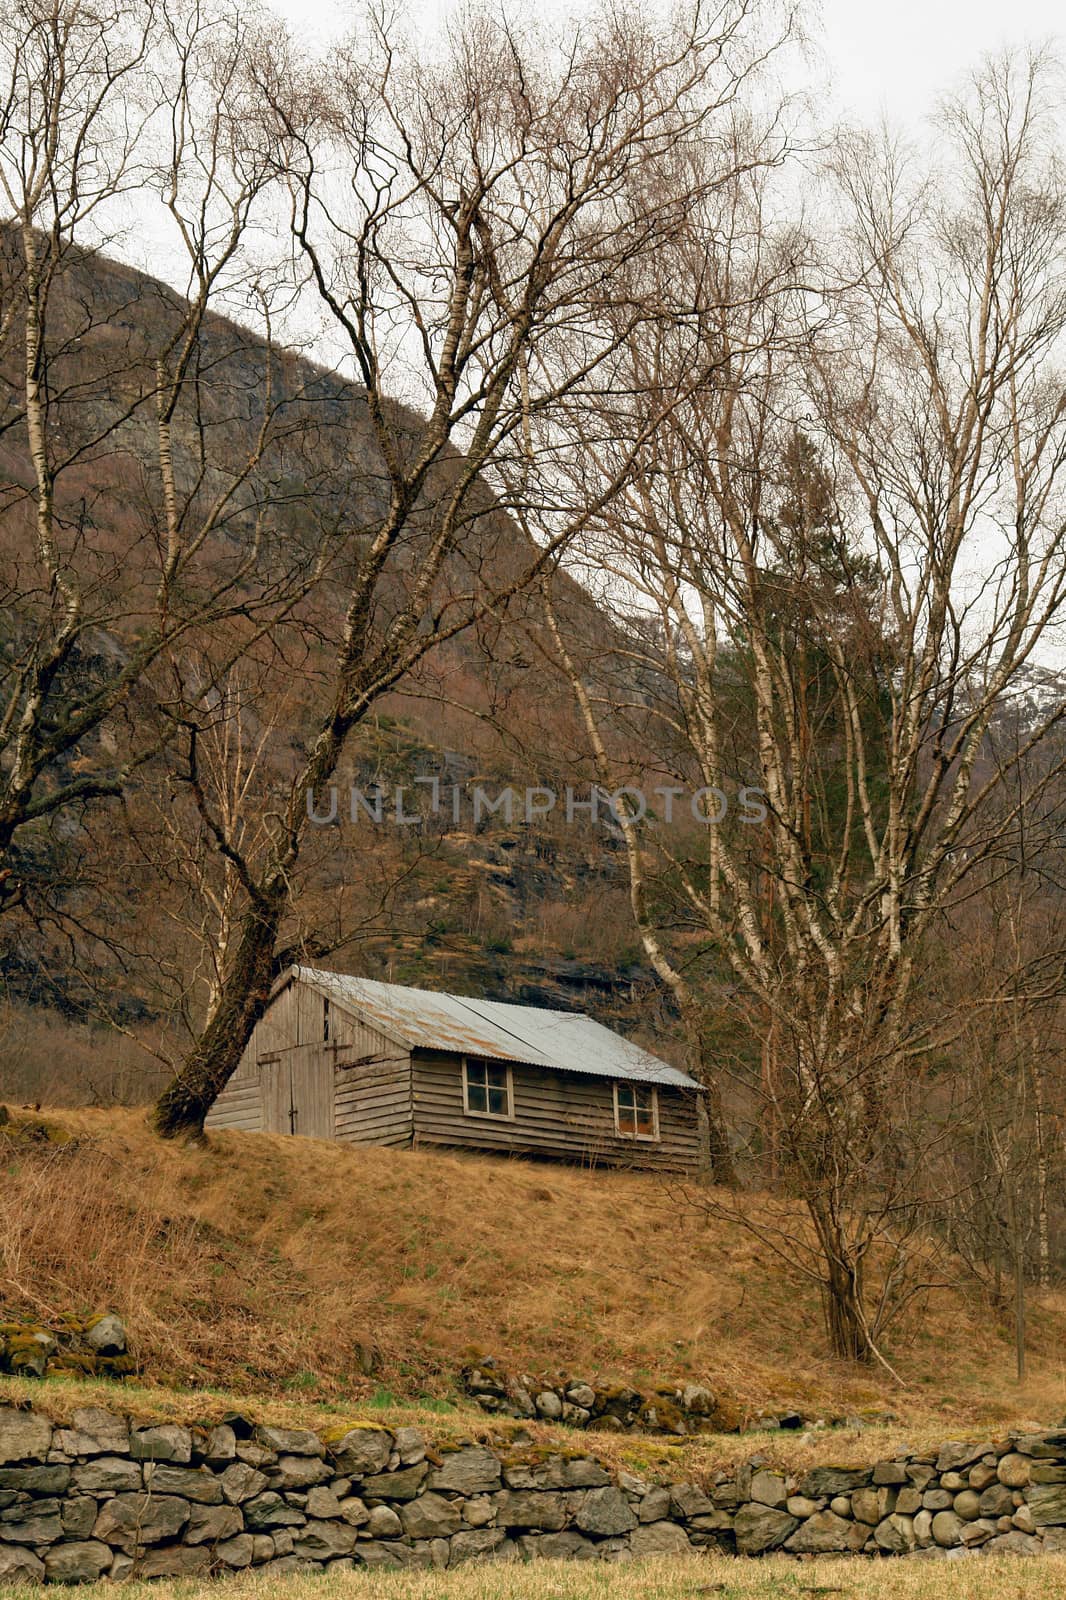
(282, 1267)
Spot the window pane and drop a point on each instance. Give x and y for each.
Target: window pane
(498, 1102)
(477, 1097)
(497, 1077)
(645, 1122)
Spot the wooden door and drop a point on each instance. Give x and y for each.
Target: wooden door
(275, 1078)
(312, 1090)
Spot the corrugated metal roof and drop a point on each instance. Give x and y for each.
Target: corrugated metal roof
(561, 1040)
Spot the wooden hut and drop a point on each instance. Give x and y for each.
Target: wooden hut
(337, 1057)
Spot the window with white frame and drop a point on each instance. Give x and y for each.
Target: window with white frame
(636, 1111)
(488, 1090)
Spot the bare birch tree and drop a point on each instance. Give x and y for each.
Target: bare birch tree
(470, 227)
(845, 638)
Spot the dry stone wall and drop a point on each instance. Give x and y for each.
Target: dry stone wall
(106, 1496)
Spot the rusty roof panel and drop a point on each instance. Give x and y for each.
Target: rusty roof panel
(562, 1041)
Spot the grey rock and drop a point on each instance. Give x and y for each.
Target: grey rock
(768, 1489)
(78, 1516)
(353, 1510)
(826, 1533)
(956, 1453)
(323, 1504)
(688, 1500)
(321, 1541)
(221, 1447)
(108, 1475)
(549, 1405)
(44, 1527)
(129, 1520)
(981, 1475)
(386, 1554)
(995, 1501)
(402, 1485)
(978, 1532)
(411, 1444)
(937, 1499)
(655, 1505)
(606, 1511)
(291, 1441)
(431, 1516)
(81, 1561)
(1022, 1519)
(825, 1481)
(923, 1528)
(1014, 1470)
(20, 1566)
(241, 1482)
(212, 1524)
(269, 1510)
(282, 1538)
(1047, 1504)
(471, 1470)
(1014, 1544)
(165, 1443)
(760, 1528)
(94, 1432)
(797, 1505)
(475, 1544)
(383, 1523)
(255, 1455)
(532, 1508)
(175, 1561)
(192, 1483)
(842, 1503)
(896, 1535)
(890, 1472)
(947, 1529)
(24, 1436)
(262, 1548)
(1047, 1472)
(107, 1336)
(1044, 1445)
(921, 1473)
(362, 1450)
(557, 1472)
(908, 1501)
(298, 1472)
(582, 1394)
(567, 1546)
(239, 1551)
(659, 1539)
(38, 1480)
(866, 1507)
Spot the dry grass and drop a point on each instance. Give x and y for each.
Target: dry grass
(983, 1578)
(268, 1267)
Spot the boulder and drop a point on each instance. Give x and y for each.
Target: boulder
(130, 1520)
(241, 1482)
(606, 1511)
(889, 1473)
(108, 1475)
(896, 1535)
(37, 1480)
(659, 1539)
(956, 1453)
(360, 1449)
(431, 1516)
(923, 1528)
(39, 1523)
(688, 1500)
(1014, 1470)
(470, 1470)
(535, 1508)
(94, 1432)
(353, 1510)
(760, 1528)
(383, 1523)
(822, 1482)
(1047, 1504)
(865, 1507)
(80, 1561)
(411, 1446)
(192, 1483)
(298, 1472)
(165, 1443)
(212, 1524)
(323, 1504)
(402, 1485)
(78, 1516)
(176, 1561)
(655, 1505)
(239, 1551)
(947, 1529)
(549, 1405)
(557, 1472)
(322, 1541)
(567, 1546)
(967, 1505)
(291, 1441)
(106, 1335)
(826, 1533)
(268, 1511)
(24, 1436)
(19, 1566)
(220, 1446)
(473, 1544)
(582, 1394)
(768, 1489)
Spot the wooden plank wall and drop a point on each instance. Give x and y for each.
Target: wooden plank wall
(567, 1115)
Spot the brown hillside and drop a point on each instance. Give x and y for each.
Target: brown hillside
(269, 1266)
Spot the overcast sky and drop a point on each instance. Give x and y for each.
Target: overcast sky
(879, 56)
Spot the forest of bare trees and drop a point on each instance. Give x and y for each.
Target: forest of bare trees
(743, 437)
